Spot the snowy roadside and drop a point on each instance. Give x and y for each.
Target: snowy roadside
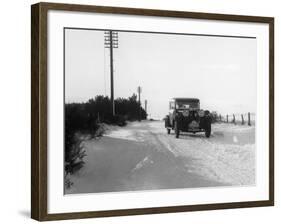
(228, 156)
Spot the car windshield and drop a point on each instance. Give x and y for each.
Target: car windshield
(187, 105)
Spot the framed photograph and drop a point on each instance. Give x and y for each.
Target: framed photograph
(141, 111)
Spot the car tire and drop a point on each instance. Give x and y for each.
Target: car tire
(167, 123)
(177, 131)
(168, 131)
(208, 131)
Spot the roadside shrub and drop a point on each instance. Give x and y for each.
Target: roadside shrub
(129, 108)
(86, 118)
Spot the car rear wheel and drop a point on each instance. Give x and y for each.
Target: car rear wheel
(177, 131)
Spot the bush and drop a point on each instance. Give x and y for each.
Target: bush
(86, 117)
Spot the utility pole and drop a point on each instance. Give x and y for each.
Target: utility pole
(145, 106)
(111, 41)
(139, 93)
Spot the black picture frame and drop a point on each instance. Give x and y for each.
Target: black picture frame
(39, 105)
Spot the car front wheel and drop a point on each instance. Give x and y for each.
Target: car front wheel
(177, 131)
(208, 131)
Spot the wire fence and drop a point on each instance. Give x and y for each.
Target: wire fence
(237, 119)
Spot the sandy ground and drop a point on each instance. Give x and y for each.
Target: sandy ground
(142, 156)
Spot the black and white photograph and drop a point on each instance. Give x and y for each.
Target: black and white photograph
(148, 111)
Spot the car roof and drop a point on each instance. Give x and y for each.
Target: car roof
(185, 99)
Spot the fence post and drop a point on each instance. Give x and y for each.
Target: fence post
(249, 119)
(234, 122)
(242, 117)
(227, 118)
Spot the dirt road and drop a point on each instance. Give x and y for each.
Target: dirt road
(142, 156)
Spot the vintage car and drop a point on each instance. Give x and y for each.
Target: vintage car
(185, 115)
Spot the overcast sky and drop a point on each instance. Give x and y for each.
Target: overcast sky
(220, 71)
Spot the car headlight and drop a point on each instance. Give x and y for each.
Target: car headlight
(201, 113)
(185, 113)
